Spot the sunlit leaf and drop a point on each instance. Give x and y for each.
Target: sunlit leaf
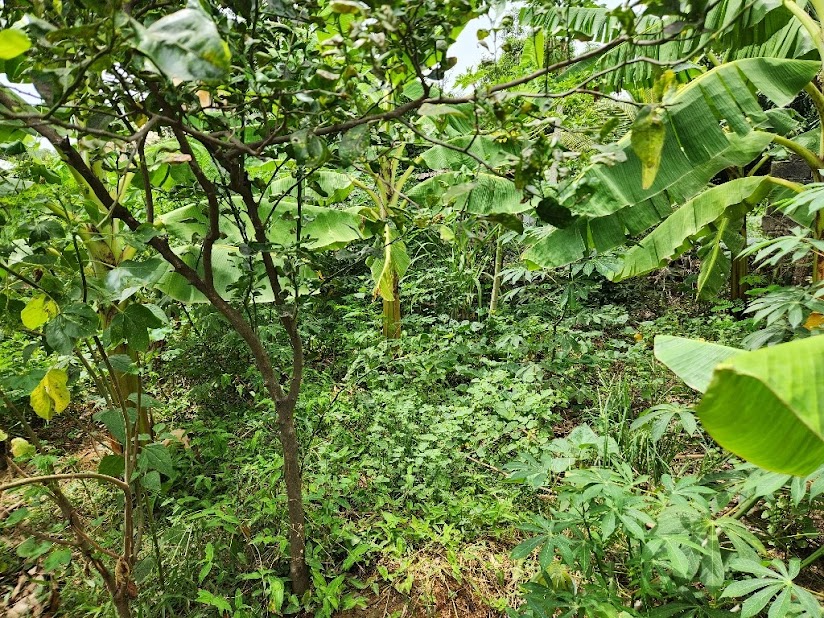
(38, 311)
(647, 141)
(13, 43)
(51, 396)
(20, 447)
(185, 45)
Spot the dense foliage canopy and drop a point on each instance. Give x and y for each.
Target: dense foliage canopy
(201, 414)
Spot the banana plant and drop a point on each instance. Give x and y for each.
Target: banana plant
(713, 124)
(386, 216)
(463, 187)
(776, 389)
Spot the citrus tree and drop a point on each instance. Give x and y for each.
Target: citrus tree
(234, 110)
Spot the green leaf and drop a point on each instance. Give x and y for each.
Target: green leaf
(759, 28)
(754, 604)
(353, 144)
(38, 311)
(679, 563)
(13, 43)
(112, 465)
(133, 325)
(113, 420)
(129, 277)
(510, 222)
(713, 123)
(75, 322)
(32, 548)
(743, 588)
(673, 237)
(185, 45)
(692, 361)
(767, 406)
(156, 457)
(277, 592)
(430, 109)
(206, 597)
(123, 363)
(712, 567)
(57, 558)
(151, 481)
(549, 210)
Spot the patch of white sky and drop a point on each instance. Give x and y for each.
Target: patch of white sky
(470, 51)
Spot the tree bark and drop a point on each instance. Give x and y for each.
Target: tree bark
(122, 606)
(298, 570)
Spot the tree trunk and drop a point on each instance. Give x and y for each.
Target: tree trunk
(496, 276)
(738, 290)
(285, 407)
(298, 570)
(122, 605)
(392, 311)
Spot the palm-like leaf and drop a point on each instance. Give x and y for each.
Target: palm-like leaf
(751, 29)
(713, 123)
(672, 237)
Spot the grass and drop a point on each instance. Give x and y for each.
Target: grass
(410, 511)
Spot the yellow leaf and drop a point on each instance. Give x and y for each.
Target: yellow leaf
(41, 403)
(38, 311)
(51, 396)
(3, 436)
(22, 448)
(56, 380)
(647, 141)
(816, 320)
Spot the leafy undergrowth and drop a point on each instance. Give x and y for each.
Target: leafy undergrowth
(429, 459)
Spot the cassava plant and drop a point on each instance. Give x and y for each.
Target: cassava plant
(212, 102)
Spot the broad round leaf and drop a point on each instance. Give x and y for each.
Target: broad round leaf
(38, 311)
(767, 406)
(185, 46)
(51, 395)
(13, 43)
(20, 447)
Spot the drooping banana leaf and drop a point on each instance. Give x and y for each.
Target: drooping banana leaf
(323, 187)
(673, 237)
(322, 229)
(226, 265)
(713, 123)
(703, 118)
(487, 149)
(733, 29)
(484, 194)
(765, 406)
(691, 360)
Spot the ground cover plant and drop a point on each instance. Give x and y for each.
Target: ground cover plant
(296, 322)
